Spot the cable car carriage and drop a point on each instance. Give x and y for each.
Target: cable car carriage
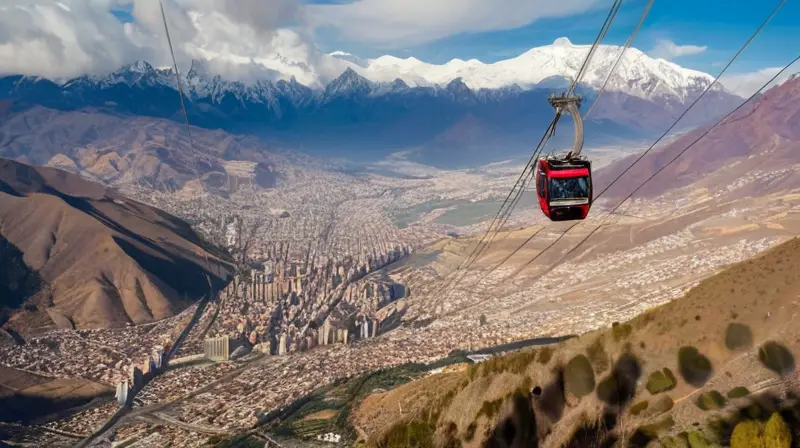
(564, 184)
(564, 188)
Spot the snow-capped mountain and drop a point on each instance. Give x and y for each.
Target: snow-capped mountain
(637, 74)
(388, 103)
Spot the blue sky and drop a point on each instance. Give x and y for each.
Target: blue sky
(720, 26)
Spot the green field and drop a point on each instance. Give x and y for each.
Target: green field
(404, 216)
(468, 213)
(292, 423)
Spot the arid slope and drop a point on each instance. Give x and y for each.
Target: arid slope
(727, 318)
(102, 259)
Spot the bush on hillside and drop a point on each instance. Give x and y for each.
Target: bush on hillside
(738, 392)
(697, 440)
(754, 434)
(661, 381)
(639, 407)
(777, 433)
(545, 354)
(450, 436)
(673, 442)
(414, 434)
(654, 429)
(747, 434)
(776, 357)
(693, 366)
(490, 408)
(470, 433)
(663, 404)
(711, 400)
(738, 337)
(598, 356)
(579, 377)
(620, 331)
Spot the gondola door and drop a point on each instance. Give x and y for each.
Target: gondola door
(541, 187)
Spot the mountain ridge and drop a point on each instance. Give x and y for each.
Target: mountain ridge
(353, 114)
(94, 257)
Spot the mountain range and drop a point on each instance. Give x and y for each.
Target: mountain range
(389, 104)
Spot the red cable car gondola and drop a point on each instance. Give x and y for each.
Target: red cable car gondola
(564, 184)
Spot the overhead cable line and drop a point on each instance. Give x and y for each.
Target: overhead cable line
(707, 131)
(189, 133)
(600, 93)
(522, 180)
(643, 154)
(551, 128)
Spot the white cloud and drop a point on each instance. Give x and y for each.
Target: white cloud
(746, 84)
(401, 23)
(667, 49)
(73, 37)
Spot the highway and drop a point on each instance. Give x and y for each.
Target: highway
(123, 410)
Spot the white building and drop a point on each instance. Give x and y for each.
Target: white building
(329, 437)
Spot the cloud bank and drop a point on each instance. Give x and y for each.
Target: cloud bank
(669, 50)
(398, 23)
(65, 38)
(746, 84)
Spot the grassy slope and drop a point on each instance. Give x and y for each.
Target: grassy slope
(760, 294)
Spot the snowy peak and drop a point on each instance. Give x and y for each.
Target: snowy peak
(546, 67)
(637, 74)
(562, 42)
(348, 82)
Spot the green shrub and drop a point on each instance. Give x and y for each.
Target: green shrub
(776, 357)
(472, 371)
(450, 436)
(693, 366)
(579, 377)
(620, 331)
(527, 384)
(663, 404)
(470, 434)
(490, 408)
(639, 407)
(747, 434)
(697, 440)
(751, 433)
(777, 433)
(738, 392)
(738, 336)
(545, 354)
(414, 434)
(661, 381)
(598, 356)
(673, 442)
(652, 430)
(711, 400)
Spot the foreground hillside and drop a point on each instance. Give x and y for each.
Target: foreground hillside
(730, 338)
(77, 255)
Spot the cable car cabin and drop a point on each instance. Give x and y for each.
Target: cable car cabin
(564, 188)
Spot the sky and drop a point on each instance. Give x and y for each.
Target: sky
(71, 37)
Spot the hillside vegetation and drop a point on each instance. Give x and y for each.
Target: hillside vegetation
(714, 368)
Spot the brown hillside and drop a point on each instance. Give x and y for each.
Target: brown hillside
(130, 150)
(102, 259)
(762, 134)
(758, 297)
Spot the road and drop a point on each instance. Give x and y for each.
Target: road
(112, 422)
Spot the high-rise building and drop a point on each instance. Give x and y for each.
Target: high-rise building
(122, 393)
(217, 349)
(283, 344)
